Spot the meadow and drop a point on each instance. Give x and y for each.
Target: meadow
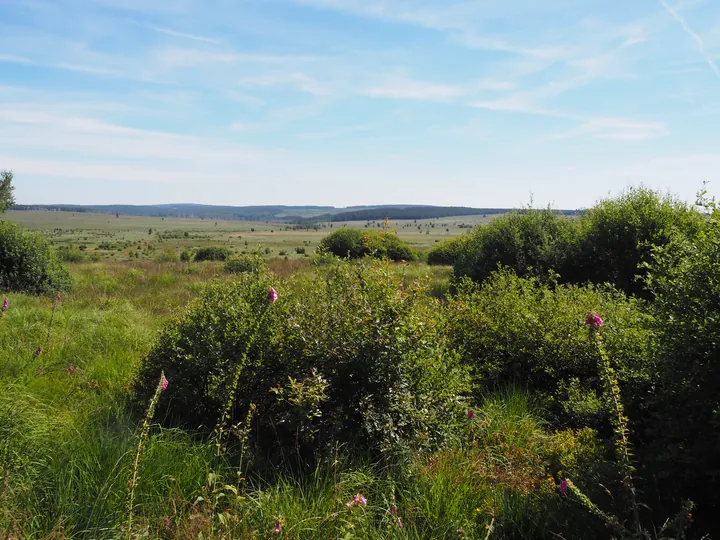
(556, 379)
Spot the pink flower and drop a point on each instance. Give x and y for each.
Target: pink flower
(461, 532)
(357, 499)
(5, 305)
(59, 298)
(39, 351)
(470, 414)
(593, 320)
(399, 523)
(393, 510)
(70, 369)
(164, 385)
(272, 295)
(563, 487)
(278, 527)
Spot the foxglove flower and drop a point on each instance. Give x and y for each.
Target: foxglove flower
(272, 295)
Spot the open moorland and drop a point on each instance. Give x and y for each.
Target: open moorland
(533, 376)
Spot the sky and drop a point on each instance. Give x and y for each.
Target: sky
(483, 103)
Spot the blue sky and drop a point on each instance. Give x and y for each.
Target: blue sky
(343, 102)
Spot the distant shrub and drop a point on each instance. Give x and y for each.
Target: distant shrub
(518, 331)
(282, 252)
(617, 235)
(186, 255)
(70, 254)
(343, 355)
(213, 253)
(28, 263)
(447, 251)
(300, 250)
(167, 255)
(244, 263)
(356, 243)
(530, 242)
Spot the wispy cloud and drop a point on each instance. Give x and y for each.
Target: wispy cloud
(696, 37)
(617, 129)
(184, 35)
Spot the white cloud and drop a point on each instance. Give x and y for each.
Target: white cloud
(184, 35)
(618, 129)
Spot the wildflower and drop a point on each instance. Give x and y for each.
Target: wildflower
(399, 523)
(39, 351)
(470, 414)
(71, 369)
(393, 510)
(357, 499)
(563, 487)
(278, 527)
(5, 305)
(593, 320)
(164, 383)
(59, 298)
(272, 295)
(461, 532)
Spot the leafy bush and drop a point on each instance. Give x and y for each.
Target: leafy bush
(617, 236)
(300, 250)
(530, 242)
(356, 243)
(245, 263)
(684, 432)
(447, 251)
(213, 253)
(348, 354)
(522, 331)
(28, 263)
(69, 254)
(167, 255)
(186, 255)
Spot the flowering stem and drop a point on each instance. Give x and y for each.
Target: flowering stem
(144, 432)
(611, 391)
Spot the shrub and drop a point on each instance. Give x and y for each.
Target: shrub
(348, 353)
(186, 255)
(213, 253)
(522, 331)
(617, 236)
(167, 255)
(245, 263)
(447, 251)
(300, 250)
(355, 244)
(530, 242)
(28, 263)
(684, 431)
(70, 254)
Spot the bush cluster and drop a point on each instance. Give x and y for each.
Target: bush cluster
(356, 243)
(447, 251)
(28, 263)
(607, 244)
(213, 253)
(345, 355)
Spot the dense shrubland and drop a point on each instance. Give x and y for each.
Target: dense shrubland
(544, 397)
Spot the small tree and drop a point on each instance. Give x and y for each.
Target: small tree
(6, 190)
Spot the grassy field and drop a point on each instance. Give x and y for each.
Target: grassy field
(118, 238)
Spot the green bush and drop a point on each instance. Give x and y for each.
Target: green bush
(244, 263)
(345, 355)
(524, 332)
(186, 255)
(356, 243)
(213, 253)
(70, 254)
(447, 251)
(683, 434)
(617, 236)
(28, 263)
(530, 242)
(167, 255)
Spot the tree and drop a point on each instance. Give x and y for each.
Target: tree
(6, 190)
